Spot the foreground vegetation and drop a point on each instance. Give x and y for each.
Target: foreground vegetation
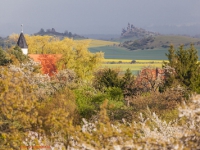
(83, 106)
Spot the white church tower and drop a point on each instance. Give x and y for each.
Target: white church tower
(22, 43)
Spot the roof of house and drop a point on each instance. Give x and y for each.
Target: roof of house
(22, 41)
(48, 62)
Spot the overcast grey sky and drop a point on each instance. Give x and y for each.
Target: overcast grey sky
(99, 16)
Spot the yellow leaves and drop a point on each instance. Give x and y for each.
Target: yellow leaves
(75, 54)
(3, 135)
(16, 105)
(48, 45)
(38, 44)
(21, 111)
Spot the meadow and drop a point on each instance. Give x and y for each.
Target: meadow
(129, 61)
(114, 52)
(124, 64)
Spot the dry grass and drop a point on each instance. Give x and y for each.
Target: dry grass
(98, 43)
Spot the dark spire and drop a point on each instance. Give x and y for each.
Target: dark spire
(22, 41)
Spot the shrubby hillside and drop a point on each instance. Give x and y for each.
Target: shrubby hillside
(160, 41)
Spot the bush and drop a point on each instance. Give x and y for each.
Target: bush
(114, 93)
(84, 102)
(160, 103)
(106, 78)
(133, 61)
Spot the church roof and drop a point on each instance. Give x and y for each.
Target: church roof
(22, 41)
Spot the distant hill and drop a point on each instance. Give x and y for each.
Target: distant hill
(53, 32)
(161, 41)
(133, 32)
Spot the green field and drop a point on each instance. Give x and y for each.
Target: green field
(129, 60)
(112, 52)
(135, 67)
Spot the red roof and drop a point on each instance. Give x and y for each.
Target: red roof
(48, 62)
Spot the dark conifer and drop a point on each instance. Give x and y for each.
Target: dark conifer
(186, 68)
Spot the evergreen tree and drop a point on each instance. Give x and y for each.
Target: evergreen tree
(17, 52)
(128, 84)
(107, 78)
(186, 68)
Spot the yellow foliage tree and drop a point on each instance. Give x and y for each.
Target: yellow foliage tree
(22, 111)
(75, 55)
(40, 44)
(17, 111)
(81, 60)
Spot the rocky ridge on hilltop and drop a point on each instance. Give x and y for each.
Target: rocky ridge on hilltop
(132, 31)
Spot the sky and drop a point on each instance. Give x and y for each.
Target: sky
(99, 16)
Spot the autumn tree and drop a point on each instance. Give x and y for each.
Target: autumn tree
(75, 55)
(41, 44)
(23, 111)
(78, 58)
(17, 112)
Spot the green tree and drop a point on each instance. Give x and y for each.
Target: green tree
(128, 84)
(18, 54)
(106, 78)
(3, 58)
(186, 68)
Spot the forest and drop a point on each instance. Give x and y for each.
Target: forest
(83, 106)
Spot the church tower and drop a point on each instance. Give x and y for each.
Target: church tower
(22, 43)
